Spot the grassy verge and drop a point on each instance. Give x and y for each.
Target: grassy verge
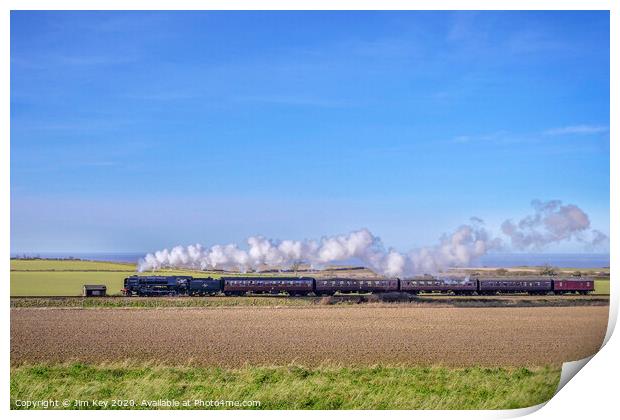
(155, 302)
(281, 301)
(287, 387)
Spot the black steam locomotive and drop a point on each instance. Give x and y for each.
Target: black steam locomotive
(303, 286)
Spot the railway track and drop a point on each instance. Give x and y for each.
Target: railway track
(351, 296)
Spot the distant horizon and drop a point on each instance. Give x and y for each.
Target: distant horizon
(491, 260)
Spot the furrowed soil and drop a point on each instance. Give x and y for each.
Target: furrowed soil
(309, 336)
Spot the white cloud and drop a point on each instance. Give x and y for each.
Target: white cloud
(577, 129)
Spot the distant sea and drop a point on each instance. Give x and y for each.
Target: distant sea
(128, 257)
(489, 260)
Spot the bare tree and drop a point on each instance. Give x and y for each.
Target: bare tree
(548, 270)
(295, 266)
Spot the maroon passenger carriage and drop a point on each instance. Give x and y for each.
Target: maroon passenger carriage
(348, 285)
(268, 285)
(534, 286)
(464, 286)
(580, 286)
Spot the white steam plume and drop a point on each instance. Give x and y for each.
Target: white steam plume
(552, 222)
(457, 249)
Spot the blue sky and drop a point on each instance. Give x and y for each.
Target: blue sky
(133, 131)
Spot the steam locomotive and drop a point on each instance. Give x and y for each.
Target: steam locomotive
(304, 286)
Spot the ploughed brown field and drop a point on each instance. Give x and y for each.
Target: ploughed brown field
(310, 336)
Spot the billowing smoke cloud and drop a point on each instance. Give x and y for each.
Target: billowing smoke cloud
(457, 249)
(552, 222)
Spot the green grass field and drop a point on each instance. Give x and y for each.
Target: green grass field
(68, 283)
(290, 387)
(601, 287)
(69, 265)
(66, 278)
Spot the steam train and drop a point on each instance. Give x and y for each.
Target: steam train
(304, 286)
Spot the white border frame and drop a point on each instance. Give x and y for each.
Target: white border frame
(592, 394)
